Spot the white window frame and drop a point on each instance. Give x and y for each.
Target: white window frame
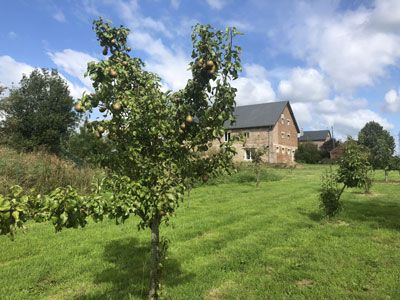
(249, 151)
(227, 136)
(288, 122)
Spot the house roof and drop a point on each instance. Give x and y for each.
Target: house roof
(259, 115)
(317, 135)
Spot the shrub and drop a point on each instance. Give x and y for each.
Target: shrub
(330, 194)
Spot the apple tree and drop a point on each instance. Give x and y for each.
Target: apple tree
(158, 139)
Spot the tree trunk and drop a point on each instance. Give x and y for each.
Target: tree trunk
(155, 259)
(257, 177)
(386, 175)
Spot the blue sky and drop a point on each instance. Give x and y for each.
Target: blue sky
(336, 61)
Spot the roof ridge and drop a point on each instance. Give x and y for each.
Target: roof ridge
(286, 101)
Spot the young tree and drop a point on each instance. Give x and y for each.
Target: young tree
(354, 167)
(330, 193)
(38, 113)
(257, 160)
(380, 143)
(159, 139)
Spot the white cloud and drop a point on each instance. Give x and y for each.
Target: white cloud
(253, 86)
(346, 115)
(59, 16)
(350, 122)
(304, 85)
(171, 65)
(169, 62)
(73, 63)
(11, 71)
(216, 4)
(386, 15)
(302, 112)
(392, 101)
(349, 47)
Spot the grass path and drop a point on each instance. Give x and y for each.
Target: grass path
(234, 242)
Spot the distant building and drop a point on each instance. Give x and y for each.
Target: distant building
(271, 125)
(317, 137)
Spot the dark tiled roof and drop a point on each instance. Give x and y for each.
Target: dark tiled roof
(317, 135)
(259, 115)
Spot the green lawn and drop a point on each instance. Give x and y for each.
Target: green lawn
(233, 242)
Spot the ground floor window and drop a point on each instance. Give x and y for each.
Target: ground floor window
(249, 153)
(227, 136)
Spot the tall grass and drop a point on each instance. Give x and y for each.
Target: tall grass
(42, 171)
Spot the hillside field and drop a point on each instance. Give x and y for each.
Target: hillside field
(233, 242)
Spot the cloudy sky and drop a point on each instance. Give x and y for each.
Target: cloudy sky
(338, 62)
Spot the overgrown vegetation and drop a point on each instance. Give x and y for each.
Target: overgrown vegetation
(42, 172)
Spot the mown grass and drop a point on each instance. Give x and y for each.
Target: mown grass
(233, 242)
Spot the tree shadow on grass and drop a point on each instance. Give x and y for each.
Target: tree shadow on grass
(129, 273)
(379, 213)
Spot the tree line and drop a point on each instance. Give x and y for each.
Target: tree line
(377, 141)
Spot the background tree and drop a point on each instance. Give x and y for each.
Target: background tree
(307, 153)
(327, 147)
(86, 148)
(38, 113)
(159, 139)
(380, 144)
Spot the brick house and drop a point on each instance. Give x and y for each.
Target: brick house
(271, 125)
(317, 137)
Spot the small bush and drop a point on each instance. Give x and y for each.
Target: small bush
(330, 194)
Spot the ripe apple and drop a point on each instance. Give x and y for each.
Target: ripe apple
(183, 126)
